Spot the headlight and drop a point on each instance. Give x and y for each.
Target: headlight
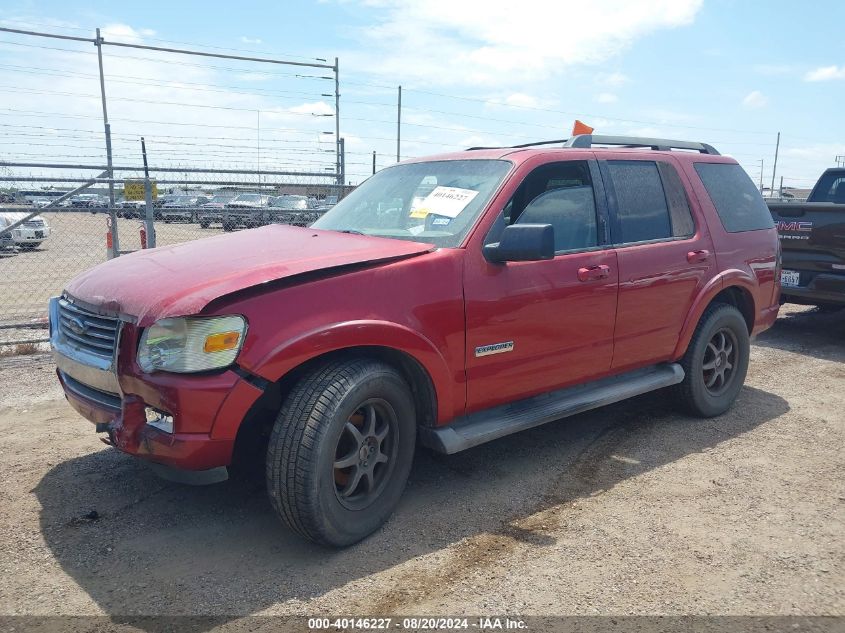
(186, 345)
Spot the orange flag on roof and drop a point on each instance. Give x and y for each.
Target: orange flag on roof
(581, 128)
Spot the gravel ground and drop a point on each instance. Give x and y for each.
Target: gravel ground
(631, 509)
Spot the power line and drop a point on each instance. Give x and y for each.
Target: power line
(155, 39)
(15, 89)
(182, 51)
(153, 82)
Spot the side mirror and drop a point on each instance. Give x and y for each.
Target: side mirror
(522, 243)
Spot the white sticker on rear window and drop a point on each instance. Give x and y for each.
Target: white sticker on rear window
(446, 201)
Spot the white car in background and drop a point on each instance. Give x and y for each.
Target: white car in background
(41, 203)
(30, 234)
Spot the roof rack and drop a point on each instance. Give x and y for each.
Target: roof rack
(588, 140)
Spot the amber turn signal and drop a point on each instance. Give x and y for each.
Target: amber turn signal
(221, 341)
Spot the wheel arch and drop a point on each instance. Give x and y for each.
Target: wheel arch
(740, 298)
(253, 431)
(732, 288)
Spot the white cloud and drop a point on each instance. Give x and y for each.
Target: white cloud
(521, 100)
(250, 40)
(125, 33)
(606, 97)
(479, 42)
(755, 99)
(510, 100)
(826, 73)
(317, 108)
(254, 77)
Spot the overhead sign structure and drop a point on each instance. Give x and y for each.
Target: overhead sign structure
(134, 189)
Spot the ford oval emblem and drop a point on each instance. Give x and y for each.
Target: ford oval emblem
(77, 326)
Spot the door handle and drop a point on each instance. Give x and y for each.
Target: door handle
(694, 257)
(592, 273)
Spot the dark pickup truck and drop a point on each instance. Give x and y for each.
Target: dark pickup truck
(812, 238)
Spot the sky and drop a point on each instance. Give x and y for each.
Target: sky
(731, 73)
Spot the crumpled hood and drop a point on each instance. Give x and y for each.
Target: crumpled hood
(181, 280)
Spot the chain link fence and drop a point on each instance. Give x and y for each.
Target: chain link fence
(43, 247)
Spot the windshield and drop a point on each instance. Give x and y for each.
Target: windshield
(435, 201)
(221, 199)
(290, 202)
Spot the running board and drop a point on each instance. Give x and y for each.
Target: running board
(491, 424)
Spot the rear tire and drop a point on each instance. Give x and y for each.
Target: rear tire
(341, 450)
(715, 363)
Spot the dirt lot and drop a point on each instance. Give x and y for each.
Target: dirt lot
(632, 509)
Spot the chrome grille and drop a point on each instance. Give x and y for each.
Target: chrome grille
(34, 223)
(81, 328)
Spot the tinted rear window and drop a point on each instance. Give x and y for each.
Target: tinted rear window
(830, 188)
(737, 200)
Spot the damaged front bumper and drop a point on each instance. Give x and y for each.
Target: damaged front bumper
(117, 397)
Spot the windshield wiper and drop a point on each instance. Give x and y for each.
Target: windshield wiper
(351, 232)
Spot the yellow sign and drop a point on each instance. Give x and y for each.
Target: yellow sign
(134, 189)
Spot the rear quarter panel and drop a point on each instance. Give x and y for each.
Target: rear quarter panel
(747, 259)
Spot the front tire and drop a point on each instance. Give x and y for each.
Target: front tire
(341, 450)
(715, 363)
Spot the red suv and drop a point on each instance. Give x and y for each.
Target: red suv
(455, 299)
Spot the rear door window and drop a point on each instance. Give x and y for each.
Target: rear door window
(680, 215)
(736, 198)
(642, 213)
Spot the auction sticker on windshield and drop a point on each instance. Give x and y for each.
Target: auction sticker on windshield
(446, 201)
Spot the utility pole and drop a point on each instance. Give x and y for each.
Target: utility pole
(374, 161)
(775, 168)
(149, 215)
(399, 126)
(761, 176)
(338, 142)
(258, 145)
(342, 160)
(112, 217)
(780, 191)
